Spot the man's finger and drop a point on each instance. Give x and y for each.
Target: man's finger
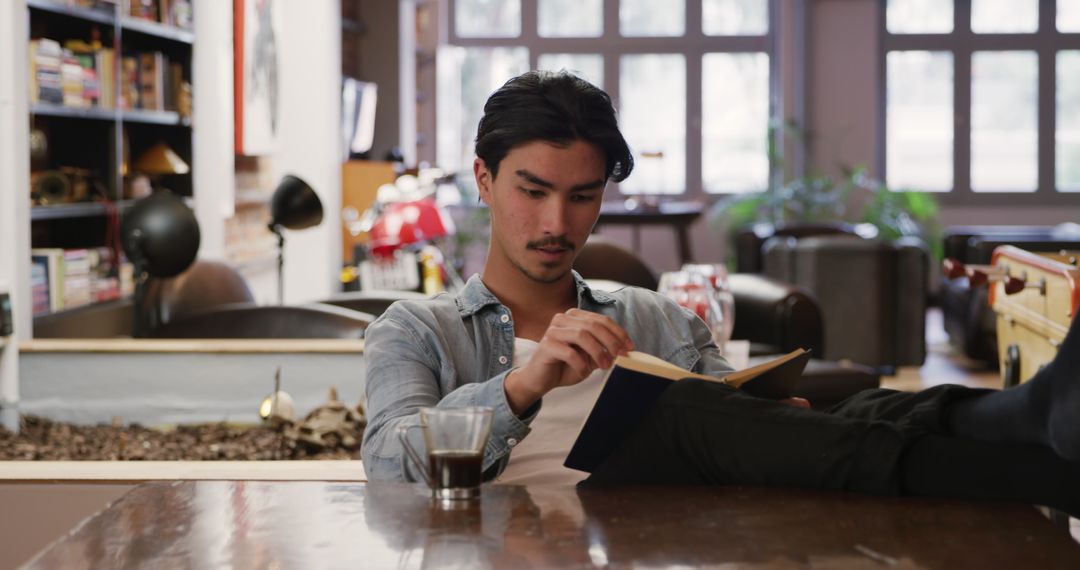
(622, 340)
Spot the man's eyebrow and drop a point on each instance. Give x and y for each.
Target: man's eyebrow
(534, 179)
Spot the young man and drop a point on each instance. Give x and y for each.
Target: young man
(529, 338)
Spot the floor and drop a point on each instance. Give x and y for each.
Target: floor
(943, 364)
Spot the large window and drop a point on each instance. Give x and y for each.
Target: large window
(693, 80)
(982, 97)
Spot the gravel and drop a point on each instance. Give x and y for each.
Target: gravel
(42, 439)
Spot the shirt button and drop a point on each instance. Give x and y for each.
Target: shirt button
(503, 360)
(505, 318)
(512, 442)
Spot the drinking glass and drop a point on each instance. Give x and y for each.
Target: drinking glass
(454, 439)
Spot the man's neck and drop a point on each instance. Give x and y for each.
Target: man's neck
(532, 303)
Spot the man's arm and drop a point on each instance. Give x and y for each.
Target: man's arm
(402, 376)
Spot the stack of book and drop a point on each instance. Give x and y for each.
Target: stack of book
(148, 80)
(69, 278)
(45, 59)
(76, 75)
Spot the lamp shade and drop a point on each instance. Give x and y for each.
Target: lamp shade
(160, 234)
(160, 159)
(404, 223)
(295, 205)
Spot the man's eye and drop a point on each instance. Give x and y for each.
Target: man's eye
(583, 197)
(533, 193)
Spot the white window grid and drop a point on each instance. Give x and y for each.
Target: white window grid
(962, 42)
(611, 45)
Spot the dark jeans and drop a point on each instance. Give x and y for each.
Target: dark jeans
(707, 433)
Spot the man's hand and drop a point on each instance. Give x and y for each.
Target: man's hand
(575, 343)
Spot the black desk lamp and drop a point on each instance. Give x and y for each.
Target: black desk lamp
(295, 206)
(161, 238)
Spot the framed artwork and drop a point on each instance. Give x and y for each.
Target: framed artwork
(255, 71)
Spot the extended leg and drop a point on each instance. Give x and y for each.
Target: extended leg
(703, 433)
(1044, 410)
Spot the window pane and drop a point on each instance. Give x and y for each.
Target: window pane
(735, 17)
(488, 18)
(1004, 119)
(1067, 141)
(652, 17)
(919, 120)
(571, 18)
(919, 16)
(1068, 16)
(652, 110)
(1004, 16)
(466, 77)
(588, 66)
(735, 122)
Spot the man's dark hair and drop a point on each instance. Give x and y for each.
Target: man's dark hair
(553, 107)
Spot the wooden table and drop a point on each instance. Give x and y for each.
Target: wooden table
(678, 215)
(230, 524)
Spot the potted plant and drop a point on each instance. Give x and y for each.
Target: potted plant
(852, 197)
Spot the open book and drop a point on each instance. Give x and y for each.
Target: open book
(636, 381)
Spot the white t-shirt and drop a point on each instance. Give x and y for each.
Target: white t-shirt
(538, 459)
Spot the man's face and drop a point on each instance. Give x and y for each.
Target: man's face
(544, 203)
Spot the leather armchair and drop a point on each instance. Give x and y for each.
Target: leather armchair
(604, 258)
(750, 241)
(872, 294)
(775, 317)
(204, 285)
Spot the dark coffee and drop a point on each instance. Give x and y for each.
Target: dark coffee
(455, 469)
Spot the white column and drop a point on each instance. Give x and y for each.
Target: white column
(212, 80)
(309, 135)
(14, 196)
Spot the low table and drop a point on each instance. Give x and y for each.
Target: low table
(231, 524)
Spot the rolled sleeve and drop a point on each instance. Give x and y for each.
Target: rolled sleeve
(403, 375)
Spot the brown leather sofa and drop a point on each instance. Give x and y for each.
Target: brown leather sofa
(371, 302)
(264, 322)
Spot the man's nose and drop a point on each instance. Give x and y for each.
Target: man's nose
(553, 216)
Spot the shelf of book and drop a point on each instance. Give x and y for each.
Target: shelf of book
(76, 210)
(98, 16)
(93, 113)
(154, 117)
(157, 30)
(103, 114)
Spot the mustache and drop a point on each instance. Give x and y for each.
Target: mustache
(557, 241)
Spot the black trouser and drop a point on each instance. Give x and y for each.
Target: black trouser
(707, 433)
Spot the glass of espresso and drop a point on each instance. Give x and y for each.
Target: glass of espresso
(454, 439)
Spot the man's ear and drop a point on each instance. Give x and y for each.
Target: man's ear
(483, 179)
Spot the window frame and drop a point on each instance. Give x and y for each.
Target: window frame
(962, 42)
(611, 44)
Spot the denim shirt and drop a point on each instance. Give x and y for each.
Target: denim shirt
(456, 350)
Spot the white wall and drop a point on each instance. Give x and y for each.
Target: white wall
(309, 51)
(309, 74)
(14, 196)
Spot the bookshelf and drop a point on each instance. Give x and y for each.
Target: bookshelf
(107, 81)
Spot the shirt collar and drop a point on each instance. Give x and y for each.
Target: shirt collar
(475, 295)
